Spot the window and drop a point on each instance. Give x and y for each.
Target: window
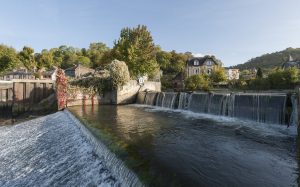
(209, 71)
(196, 63)
(209, 63)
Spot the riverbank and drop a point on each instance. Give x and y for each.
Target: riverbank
(50, 151)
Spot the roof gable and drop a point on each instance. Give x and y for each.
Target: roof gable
(202, 61)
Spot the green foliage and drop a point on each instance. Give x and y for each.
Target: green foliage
(119, 73)
(135, 46)
(283, 79)
(27, 57)
(163, 58)
(197, 82)
(277, 79)
(259, 73)
(118, 76)
(96, 53)
(272, 60)
(218, 75)
(8, 58)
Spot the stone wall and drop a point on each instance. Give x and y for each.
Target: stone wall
(126, 94)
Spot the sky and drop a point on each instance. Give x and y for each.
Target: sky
(232, 30)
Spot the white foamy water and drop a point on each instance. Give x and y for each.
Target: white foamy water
(50, 151)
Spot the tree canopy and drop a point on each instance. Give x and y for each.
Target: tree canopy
(136, 47)
(8, 58)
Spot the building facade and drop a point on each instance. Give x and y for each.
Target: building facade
(17, 74)
(232, 74)
(78, 71)
(201, 65)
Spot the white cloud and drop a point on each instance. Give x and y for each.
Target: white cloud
(197, 55)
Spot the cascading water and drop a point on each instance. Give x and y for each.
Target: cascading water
(150, 98)
(183, 100)
(169, 100)
(264, 108)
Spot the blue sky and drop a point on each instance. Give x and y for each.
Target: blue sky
(233, 30)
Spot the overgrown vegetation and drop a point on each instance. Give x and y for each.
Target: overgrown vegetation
(117, 75)
(276, 79)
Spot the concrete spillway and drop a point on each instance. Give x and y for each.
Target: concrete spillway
(263, 108)
(55, 151)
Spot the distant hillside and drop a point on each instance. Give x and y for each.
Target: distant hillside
(269, 61)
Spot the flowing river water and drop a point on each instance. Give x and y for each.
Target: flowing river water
(168, 147)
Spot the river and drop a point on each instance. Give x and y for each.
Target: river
(180, 148)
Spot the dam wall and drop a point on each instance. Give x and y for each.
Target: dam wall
(273, 108)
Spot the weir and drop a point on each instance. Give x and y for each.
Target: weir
(273, 108)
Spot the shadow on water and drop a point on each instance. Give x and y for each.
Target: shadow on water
(168, 148)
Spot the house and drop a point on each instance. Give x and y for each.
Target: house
(17, 74)
(291, 63)
(50, 74)
(78, 71)
(232, 74)
(201, 65)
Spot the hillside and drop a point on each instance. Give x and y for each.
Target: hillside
(272, 60)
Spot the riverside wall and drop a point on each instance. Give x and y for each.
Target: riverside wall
(126, 94)
(21, 95)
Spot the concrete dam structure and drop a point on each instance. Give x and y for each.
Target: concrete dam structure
(273, 108)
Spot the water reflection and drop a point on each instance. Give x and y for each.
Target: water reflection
(168, 148)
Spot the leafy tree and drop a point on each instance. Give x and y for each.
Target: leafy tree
(135, 46)
(259, 73)
(218, 75)
(283, 79)
(197, 82)
(8, 58)
(163, 58)
(96, 52)
(27, 57)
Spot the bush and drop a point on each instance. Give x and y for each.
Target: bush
(119, 73)
(197, 82)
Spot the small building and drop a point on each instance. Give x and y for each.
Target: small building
(78, 71)
(291, 63)
(232, 74)
(50, 74)
(17, 74)
(201, 65)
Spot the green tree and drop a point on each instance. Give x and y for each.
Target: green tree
(283, 79)
(177, 62)
(136, 47)
(96, 52)
(27, 57)
(163, 58)
(197, 82)
(8, 58)
(218, 75)
(259, 73)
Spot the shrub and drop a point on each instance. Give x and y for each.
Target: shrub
(197, 82)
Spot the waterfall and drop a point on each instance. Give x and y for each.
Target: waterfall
(119, 169)
(259, 107)
(183, 100)
(159, 99)
(265, 108)
(150, 98)
(198, 102)
(166, 99)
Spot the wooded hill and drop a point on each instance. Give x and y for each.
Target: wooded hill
(270, 61)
